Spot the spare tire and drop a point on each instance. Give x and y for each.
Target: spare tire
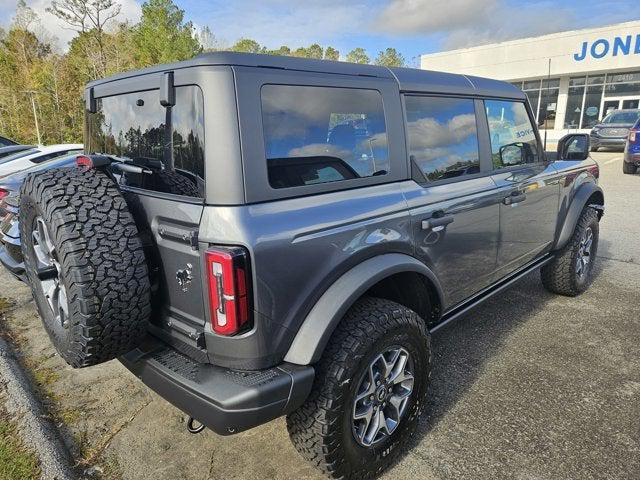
(85, 264)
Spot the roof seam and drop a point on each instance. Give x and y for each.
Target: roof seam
(473, 85)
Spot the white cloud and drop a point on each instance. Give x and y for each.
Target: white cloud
(472, 22)
(56, 29)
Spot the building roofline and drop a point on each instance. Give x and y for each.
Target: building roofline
(548, 36)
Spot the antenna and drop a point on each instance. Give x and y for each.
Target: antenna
(545, 113)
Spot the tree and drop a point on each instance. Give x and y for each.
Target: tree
(314, 51)
(358, 55)
(331, 53)
(207, 40)
(248, 45)
(390, 58)
(162, 36)
(89, 17)
(283, 50)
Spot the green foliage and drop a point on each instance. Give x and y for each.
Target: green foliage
(32, 71)
(247, 45)
(162, 36)
(358, 55)
(390, 58)
(331, 54)
(16, 462)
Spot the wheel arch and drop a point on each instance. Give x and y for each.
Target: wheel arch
(370, 276)
(588, 194)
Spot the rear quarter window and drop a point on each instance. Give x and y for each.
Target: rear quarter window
(316, 135)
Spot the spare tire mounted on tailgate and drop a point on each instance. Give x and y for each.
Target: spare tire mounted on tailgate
(85, 263)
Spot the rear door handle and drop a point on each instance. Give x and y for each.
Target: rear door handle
(437, 223)
(514, 198)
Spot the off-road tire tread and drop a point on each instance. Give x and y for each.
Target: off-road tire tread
(559, 275)
(312, 427)
(102, 260)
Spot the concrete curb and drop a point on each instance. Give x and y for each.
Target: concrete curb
(37, 430)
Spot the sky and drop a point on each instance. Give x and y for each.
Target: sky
(413, 27)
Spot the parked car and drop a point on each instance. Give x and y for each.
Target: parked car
(274, 259)
(10, 247)
(614, 129)
(5, 142)
(15, 151)
(632, 150)
(13, 164)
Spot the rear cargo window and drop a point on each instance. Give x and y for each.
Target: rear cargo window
(167, 142)
(320, 135)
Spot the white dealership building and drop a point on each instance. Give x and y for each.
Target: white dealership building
(572, 79)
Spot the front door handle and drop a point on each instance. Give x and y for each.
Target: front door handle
(515, 197)
(437, 223)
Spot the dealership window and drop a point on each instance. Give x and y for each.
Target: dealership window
(543, 98)
(443, 138)
(591, 98)
(320, 135)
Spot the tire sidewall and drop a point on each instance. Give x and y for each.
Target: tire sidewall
(378, 456)
(582, 283)
(60, 336)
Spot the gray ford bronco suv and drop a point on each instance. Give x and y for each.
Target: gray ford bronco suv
(257, 236)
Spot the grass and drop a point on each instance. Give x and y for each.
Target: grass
(16, 461)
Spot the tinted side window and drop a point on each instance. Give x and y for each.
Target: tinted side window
(513, 138)
(319, 134)
(167, 142)
(443, 137)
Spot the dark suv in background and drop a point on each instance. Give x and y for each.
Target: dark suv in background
(257, 236)
(632, 150)
(614, 129)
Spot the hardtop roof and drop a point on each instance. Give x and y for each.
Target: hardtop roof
(408, 79)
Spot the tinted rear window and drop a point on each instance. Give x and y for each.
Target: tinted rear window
(320, 135)
(168, 142)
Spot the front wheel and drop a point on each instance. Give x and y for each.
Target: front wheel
(370, 388)
(570, 272)
(628, 168)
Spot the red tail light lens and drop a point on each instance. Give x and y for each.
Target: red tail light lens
(228, 274)
(632, 136)
(84, 161)
(3, 193)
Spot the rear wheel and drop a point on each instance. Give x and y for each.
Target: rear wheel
(369, 391)
(628, 168)
(571, 271)
(85, 264)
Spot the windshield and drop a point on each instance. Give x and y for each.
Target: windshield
(628, 118)
(168, 141)
(18, 155)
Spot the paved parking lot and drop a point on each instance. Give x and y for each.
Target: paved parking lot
(529, 386)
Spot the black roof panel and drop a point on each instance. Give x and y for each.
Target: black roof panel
(409, 79)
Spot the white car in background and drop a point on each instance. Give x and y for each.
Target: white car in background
(23, 160)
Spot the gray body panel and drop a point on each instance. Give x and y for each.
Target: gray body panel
(315, 249)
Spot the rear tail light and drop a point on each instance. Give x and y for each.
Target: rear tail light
(228, 274)
(3, 193)
(632, 135)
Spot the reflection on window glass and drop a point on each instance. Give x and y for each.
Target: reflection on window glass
(548, 107)
(168, 142)
(443, 139)
(513, 139)
(591, 114)
(574, 107)
(321, 135)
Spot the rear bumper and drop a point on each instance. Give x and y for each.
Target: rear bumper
(226, 401)
(633, 158)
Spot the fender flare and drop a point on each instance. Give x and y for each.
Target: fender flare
(576, 206)
(322, 320)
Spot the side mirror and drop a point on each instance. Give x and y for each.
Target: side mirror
(575, 146)
(512, 154)
(167, 90)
